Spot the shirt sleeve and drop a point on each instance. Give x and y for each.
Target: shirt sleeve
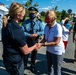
(24, 28)
(58, 30)
(26, 34)
(41, 30)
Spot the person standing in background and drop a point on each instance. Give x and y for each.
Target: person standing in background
(66, 28)
(63, 20)
(74, 41)
(14, 41)
(3, 11)
(39, 17)
(33, 29)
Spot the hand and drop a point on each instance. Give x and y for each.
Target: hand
(33, 36)
(38, 46)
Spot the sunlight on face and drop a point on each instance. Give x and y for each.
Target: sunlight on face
(50, 17)
(21, 15)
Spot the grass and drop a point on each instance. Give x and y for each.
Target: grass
(42, 18)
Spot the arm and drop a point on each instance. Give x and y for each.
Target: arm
(26, 33)
(54, 43)
(20, 41)
(56, 37)
(41, 30)
(65, 30)
(26, 50)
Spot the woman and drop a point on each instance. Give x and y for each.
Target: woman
(53, 41)
(14, 41)
(65, 33)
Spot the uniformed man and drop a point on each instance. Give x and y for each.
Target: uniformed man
(33, 30)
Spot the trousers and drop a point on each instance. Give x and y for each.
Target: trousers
(54, 63)
(30, 43)
(14, 68)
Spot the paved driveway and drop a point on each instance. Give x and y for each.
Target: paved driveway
(68, 68)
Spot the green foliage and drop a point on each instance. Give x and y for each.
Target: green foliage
(29, 4)
(60, 14)
(64, 14)
(42, 13)
(43, 18)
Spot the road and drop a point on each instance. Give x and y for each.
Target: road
(68, 68)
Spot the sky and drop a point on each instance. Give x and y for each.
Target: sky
(45, 5)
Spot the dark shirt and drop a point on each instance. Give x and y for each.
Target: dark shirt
(12, 38)
(32, 27)
(75, 27)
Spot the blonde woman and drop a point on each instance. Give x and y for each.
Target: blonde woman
(53, 42)
(14, 41)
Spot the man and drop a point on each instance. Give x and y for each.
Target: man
(33, 30)
(74, 40)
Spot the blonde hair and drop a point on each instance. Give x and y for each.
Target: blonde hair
(51, 14)
(14, 10)
(5, 19)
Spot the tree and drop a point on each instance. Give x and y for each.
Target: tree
(58, 16)
(36, 4)
(42, 13)
(64, 14)
(29, 4)
(56, 8)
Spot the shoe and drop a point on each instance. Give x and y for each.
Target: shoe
(32, 68)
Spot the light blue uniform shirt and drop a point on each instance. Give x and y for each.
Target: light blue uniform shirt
(37, 27)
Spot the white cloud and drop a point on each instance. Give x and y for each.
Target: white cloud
(49, 7)
(45, 8)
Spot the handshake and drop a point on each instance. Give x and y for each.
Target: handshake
(39, 45)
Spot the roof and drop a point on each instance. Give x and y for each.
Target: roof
(3, 8)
